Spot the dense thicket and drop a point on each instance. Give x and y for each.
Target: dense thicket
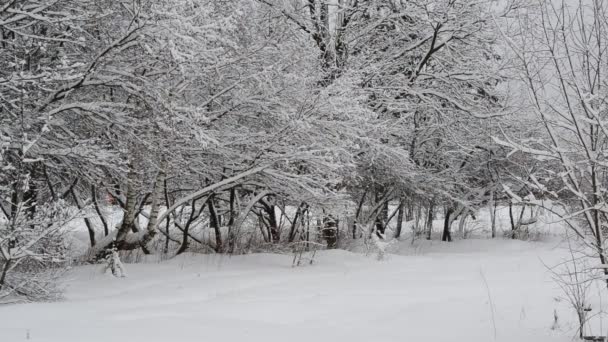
(228, 125)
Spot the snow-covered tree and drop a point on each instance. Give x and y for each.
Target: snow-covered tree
(558, 48)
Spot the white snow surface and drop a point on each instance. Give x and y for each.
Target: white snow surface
(428, 292)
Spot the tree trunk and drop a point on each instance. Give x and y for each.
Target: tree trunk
(429, 220)
(154, 209)
(400, 215)
(409, 211)
(128, 220)
(492, 209)
(297, 218)
(262, 225)
(194, 214)
(167, 204)
(273, 227)
(382, 218)
(87, 221)
(417, 229)
(462, 224)
(232, 220)
(447, 235)
(5, 269)
(358, 214)
(330, 231)
(184, 246)
(104, 223)
(215, 224)
(512, 220)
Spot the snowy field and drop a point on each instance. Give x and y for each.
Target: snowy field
(469, 290)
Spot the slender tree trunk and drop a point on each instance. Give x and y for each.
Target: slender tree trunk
(7, 266)
(597, 221)
(87, 221)
(358, 214)
(409, 210)
(157, 193)
(307, 229)
(184, 246)
(194, 214)
(512, 220)
(492, 209)
(517, 225)
(417, 229)
(128, 221)
(275, 233)
(102, 218)
(231, 220)
(167, 204)
(429, 220)
(296, 220)
(382, 218)
(215, 224)
(400, 215)
(262, 225)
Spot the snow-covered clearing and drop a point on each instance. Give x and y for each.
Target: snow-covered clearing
(469, 290)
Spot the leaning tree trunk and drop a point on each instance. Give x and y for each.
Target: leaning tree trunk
(87, 221)
(296, 220)
(7, 265)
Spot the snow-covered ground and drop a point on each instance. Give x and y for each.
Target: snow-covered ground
(469, 290)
